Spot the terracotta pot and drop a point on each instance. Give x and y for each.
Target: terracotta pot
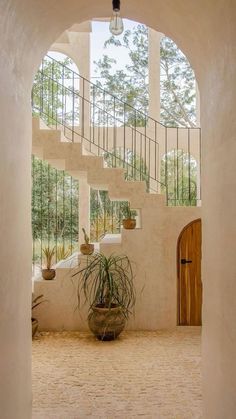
(129, 223)
(87, 249)
(48, 273)
(35, 325)
(106, 323)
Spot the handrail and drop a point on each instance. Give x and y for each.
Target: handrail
(106, 92)
(105, 124)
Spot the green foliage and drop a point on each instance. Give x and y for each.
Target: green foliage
(37, 301)
(131, 85)
(54, 207)
(63, 252)
(86, 237)
(179, 172)
(48, 253)
(107, 281)
(127, 212)
(134, 165)
(178, 91)
(51, 90)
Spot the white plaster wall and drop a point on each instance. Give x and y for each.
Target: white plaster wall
(15, 284)
(205, 31)
(152, 250)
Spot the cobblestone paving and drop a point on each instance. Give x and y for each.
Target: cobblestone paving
(150, 375)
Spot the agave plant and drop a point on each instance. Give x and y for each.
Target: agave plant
(107, 281)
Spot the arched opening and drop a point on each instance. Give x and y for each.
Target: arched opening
(180, 175)
(189, 284)
(190, 24)
(107, 115)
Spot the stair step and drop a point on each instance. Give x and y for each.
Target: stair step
(102, 179)
(84, 163)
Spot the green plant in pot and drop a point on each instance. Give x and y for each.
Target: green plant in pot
(129, 220)
(86, 248)
(35, 302)
(106, 283)
(48, 253)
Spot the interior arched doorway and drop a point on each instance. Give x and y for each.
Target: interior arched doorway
(189, 303)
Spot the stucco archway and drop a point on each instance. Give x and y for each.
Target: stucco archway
(205, 31)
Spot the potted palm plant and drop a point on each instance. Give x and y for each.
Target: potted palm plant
(86, 248)
(129, 220)
(106, 282)
(48, 272)
(35, 302)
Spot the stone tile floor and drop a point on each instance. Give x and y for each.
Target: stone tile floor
(150, 375)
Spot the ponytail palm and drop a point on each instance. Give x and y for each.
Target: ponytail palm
(107, 281)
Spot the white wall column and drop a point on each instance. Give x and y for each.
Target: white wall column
(154, 39)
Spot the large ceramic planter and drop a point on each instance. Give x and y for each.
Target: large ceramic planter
(48, 274)
(106, 323)
(35, 325)
(87, 249)
(129, 223)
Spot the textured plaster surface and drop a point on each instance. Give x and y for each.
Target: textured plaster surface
(154, 375)
(205, 31)
(151, 248)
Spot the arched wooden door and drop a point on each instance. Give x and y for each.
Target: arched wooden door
(189, 275)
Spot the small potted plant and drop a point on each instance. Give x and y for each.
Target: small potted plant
(106, 282)
(129, 220)
(35, 302)
(86, 248)
(48, 272)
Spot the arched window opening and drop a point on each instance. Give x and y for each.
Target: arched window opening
(179, 174)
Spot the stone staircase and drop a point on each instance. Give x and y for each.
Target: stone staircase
(151, 248)
(50, 145)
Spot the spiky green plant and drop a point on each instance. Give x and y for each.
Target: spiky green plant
(48, 253)
(86, 237)
(37, 301)
(63, 252)
(127, 212)
(107, 281)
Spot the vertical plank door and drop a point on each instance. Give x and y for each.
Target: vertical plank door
(189, 275)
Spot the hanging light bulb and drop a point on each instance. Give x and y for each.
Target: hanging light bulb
(116, 26)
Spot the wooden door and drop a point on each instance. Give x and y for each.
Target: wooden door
(189, 275)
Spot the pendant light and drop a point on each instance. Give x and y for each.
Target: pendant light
(116, 26)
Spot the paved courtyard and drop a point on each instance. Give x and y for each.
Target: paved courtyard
(151, 375)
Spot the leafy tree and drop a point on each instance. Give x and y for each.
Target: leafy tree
(54, 205)
(129, 85)
(51, 92)
(134, 165)
(179, 172)
(177, 83)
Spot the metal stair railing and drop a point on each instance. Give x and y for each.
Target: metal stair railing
(108, 126)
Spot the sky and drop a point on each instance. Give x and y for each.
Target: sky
(100, 33)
